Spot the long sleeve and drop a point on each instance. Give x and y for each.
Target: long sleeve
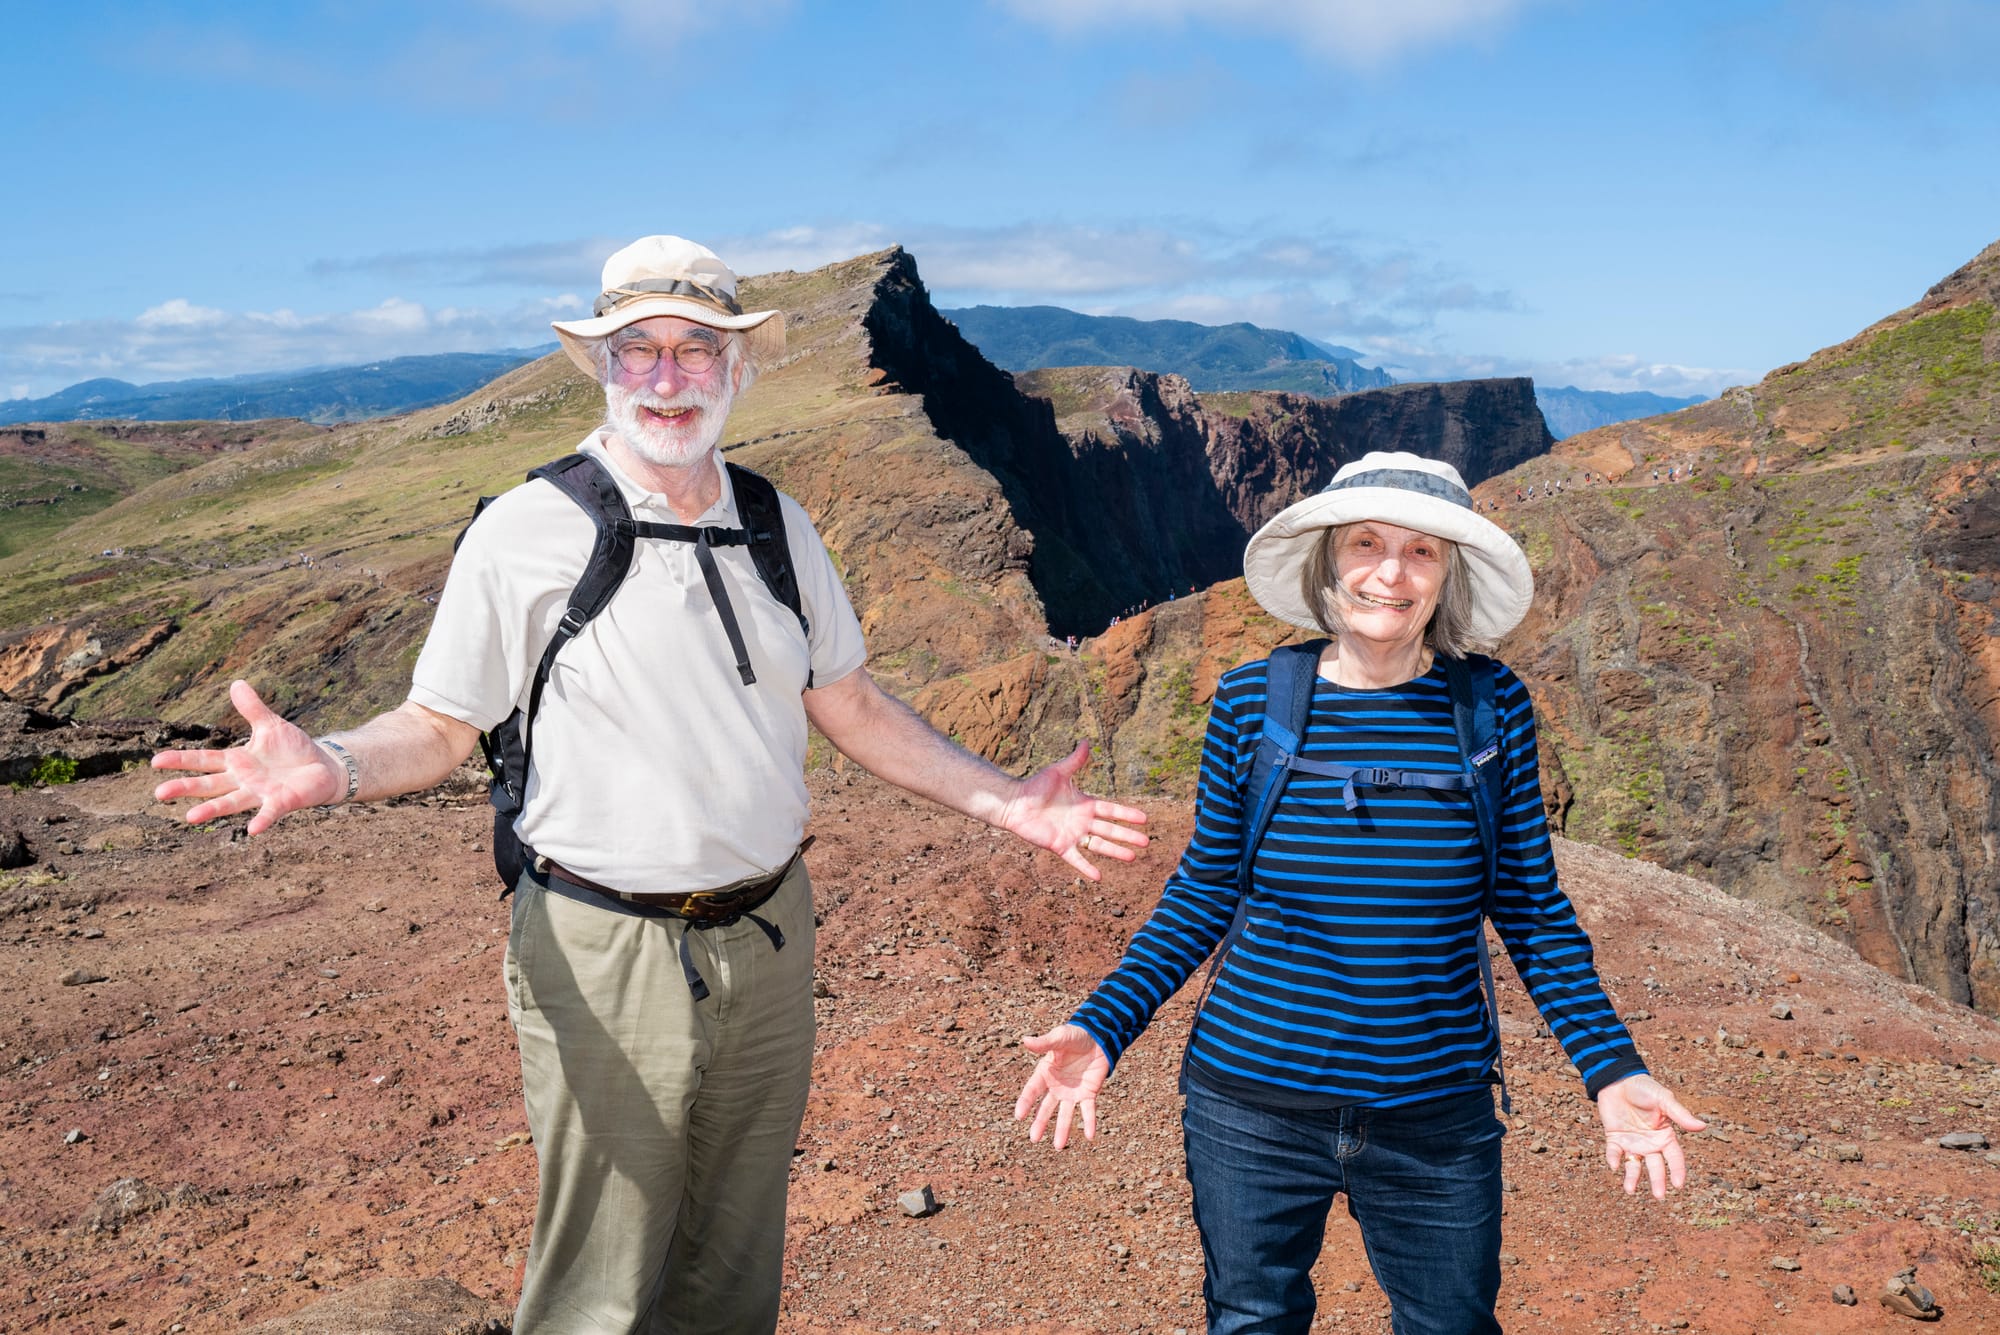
(1199, 900)
(1536, 921)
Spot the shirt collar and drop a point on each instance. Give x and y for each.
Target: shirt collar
(723, 512)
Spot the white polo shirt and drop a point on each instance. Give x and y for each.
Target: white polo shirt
(654, 767)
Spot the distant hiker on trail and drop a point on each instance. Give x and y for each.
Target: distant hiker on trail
(1349, 1040)
(659, 968)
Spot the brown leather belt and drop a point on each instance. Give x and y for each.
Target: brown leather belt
(707, 907)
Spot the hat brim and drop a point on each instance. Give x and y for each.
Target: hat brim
(1275, 560)
(763, 331)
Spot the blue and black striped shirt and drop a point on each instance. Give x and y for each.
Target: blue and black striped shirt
(1355, 979)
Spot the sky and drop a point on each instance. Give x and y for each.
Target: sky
(1618, 194)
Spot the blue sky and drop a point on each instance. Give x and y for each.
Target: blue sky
(1664, 196)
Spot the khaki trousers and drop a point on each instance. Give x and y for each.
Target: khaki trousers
(664, 1126)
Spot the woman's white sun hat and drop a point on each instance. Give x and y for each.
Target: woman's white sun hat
(1411, 492)
(670, 275)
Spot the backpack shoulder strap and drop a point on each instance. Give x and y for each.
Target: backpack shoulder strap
(477, 511)
(1289, 675)
(1476, 719)
(764, 521)
(1288, 693)
(584, 481)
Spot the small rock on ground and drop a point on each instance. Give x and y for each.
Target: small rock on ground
(122, 1201)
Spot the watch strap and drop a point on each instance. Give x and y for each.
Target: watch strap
(349, 763)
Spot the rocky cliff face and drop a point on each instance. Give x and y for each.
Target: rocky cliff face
(1132, 487)
(1267, 450)
(1782, 675)
(969, 523)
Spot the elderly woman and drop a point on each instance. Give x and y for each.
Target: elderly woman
(1347, 1044)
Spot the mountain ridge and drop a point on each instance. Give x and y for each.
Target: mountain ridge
(1781, 675)
(1570, 411)
(1765, 646)
(1209, 357)
(318, 394)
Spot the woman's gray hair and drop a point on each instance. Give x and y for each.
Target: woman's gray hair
(1449, 633)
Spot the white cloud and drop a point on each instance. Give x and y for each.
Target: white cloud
(1363, 34)
(1333, 287)
(1139, 265)
(1014, 264)
(1620, 372)
(1294, 307)
(179, 313)
(399, 317)
(40, 359)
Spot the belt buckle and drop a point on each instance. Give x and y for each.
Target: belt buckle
(704, 909)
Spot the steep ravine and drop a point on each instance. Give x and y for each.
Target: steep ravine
(1783, 677)
(1786, 686)
(1112, 525)
(1134, 488)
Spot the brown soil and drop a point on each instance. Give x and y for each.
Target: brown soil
(299, 1046)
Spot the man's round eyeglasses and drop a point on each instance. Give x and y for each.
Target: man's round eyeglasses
(693, 357)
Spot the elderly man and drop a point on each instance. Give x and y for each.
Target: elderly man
(659, 966)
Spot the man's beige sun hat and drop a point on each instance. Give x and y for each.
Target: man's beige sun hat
(1409, 491)
(670, 275)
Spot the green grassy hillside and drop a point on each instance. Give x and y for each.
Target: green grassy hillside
(304, 559)
(52, 476)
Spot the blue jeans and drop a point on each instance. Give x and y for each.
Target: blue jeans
(1422, 1181)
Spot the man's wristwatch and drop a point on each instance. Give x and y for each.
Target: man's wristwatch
(347, 760)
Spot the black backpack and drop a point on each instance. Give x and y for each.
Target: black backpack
(583, 480)
(1288, 694)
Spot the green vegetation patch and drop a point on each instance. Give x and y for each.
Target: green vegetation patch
(1943, 348)
(1619, 780)
(1230, 404)
(1987, 1257)
(1175, 765)
(1942, 355)
(52, 770)
(39, 501)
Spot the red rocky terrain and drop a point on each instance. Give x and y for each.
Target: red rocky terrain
(272, 1080)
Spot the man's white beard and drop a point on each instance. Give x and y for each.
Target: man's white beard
(661, 443)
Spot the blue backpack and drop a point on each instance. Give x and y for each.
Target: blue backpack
(1288, 697)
